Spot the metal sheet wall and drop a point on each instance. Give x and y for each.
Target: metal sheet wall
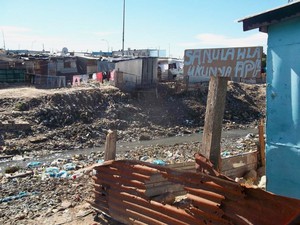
(131, 68)
(12, 75)
(283, 109)
(134, 192)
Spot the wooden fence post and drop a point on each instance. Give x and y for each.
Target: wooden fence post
(262, 142)
(211, 142)
(110, 146)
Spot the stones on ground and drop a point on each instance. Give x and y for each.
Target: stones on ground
(66, 204)
(145, 137)
(38, 139)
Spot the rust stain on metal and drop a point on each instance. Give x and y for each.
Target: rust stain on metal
(135, 192)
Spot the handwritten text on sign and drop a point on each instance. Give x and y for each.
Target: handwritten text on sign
(223, 62)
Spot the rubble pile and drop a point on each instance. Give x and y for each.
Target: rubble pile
(39, 190)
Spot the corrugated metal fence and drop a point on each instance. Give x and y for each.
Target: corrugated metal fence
(134, 192)
(12, 75)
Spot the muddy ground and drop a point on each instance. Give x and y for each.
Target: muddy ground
(79, 118)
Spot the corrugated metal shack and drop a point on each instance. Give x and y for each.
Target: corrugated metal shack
(62, 66)
(105, 66)
(51, 72)
(12, 70)
(37, 65)
(87, 65)
(51, 65)
(135, 192)
(136, 74)
(283, 93)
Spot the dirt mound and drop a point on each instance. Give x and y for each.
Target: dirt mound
(81, 118)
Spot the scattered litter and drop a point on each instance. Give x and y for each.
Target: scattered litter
(52, 171)
(249, 136)
(100, 161)
(14, 197)
(144, 158)
(57, 162)
(55, 172)
(18, 175)
(62, 174)
(159, 162)
(33, 164)
(69, 166)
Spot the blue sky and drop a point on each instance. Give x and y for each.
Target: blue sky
(93, 25)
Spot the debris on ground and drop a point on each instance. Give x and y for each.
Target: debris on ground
(79, 118)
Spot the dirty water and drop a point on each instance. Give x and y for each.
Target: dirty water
(121, 147)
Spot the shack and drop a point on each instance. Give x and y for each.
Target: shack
(87, 65)
(62, 66)
(50, 72)
(12, 70)
(36, 65)
(283, 93)
(105, 66)
(137, 73)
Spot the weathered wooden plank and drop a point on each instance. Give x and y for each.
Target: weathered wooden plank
(238, 161)
(158, 190)
(211, 142)
(239, 172)
(110, 145)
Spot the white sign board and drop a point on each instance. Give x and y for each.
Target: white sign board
(241, 62)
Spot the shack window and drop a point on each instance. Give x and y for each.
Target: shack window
(172, 66)
(67, 64)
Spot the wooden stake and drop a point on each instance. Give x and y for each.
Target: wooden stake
(110, 146)
(211, 142)
(262, 142)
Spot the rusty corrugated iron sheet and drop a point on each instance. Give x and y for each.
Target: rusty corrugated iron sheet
(135, 192)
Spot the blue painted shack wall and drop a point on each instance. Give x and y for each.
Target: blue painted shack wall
(283, 109)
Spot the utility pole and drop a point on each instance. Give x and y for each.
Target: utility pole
(3, 39)
(123, 27)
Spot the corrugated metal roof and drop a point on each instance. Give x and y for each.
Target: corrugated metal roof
(135, 192)
(264, 19)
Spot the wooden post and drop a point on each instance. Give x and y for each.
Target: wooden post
(211, 142)
(262, 142)
(110, 146)
(186, 82)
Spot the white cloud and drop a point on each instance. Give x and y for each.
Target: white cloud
(25, 38)
(12, 29)
(210, 40)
